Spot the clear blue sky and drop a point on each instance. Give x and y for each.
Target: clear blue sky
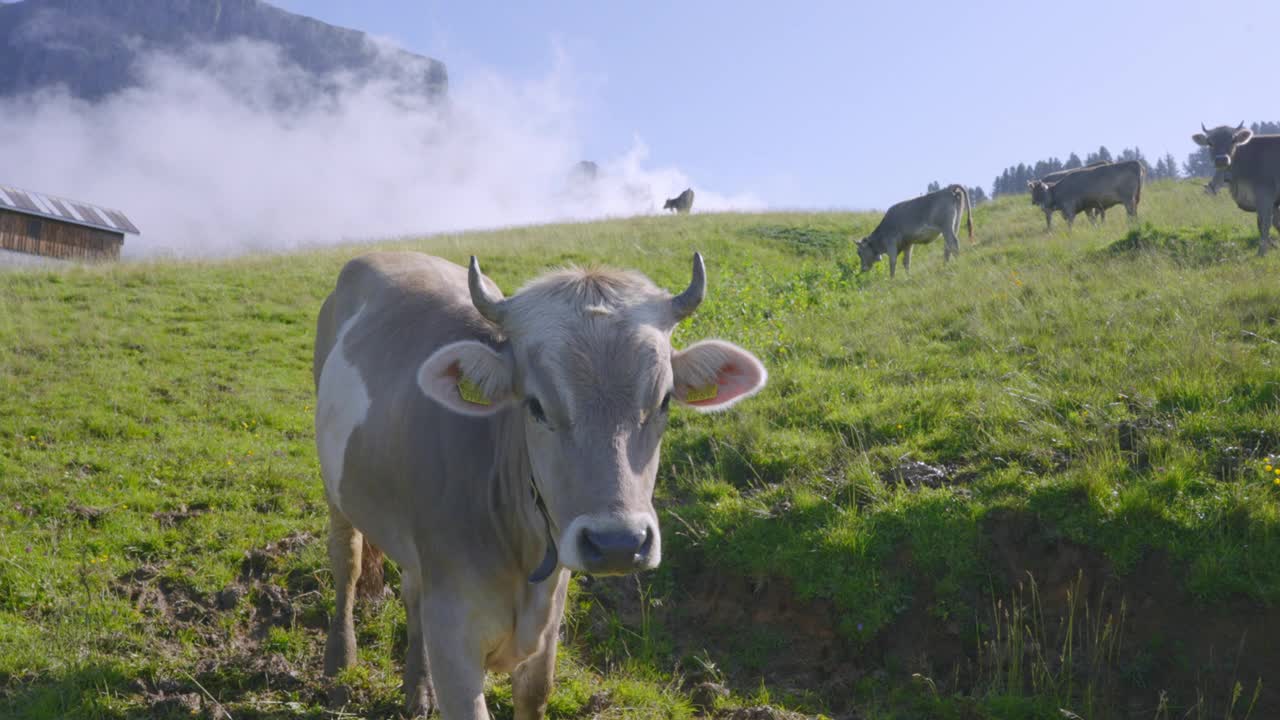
(848, 104)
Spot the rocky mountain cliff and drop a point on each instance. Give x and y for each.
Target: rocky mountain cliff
(91, 46)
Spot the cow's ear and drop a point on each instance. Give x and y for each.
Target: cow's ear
(1242, 136)
(1200, 139)
(713, 375)
(467, 377)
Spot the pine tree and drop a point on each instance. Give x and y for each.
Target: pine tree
(1199, 164)
(977, 196)
(934, 186)
(1073, 162)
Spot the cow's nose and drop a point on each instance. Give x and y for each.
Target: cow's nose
(614, 551)
(1222, 161)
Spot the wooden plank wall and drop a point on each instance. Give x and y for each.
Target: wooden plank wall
(57, 239)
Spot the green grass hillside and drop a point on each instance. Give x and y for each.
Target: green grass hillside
(1037, 478)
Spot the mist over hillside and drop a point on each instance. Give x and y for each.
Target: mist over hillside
(92, 47)
(230, 127)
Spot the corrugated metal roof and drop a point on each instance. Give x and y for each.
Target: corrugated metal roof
(73, 211)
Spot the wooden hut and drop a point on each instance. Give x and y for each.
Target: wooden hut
(55, 227)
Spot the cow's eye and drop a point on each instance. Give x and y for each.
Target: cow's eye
(535, 410)
(666, 403)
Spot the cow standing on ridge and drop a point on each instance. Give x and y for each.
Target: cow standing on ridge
(681, 203)
(1103, 186)
(1251, 164)
(1039, 189)
(918, 221)
(490, 446)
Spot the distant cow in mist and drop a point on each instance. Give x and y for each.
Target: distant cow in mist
(917, 222)
(681, 203)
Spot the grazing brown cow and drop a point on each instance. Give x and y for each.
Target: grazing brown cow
(490, 446)
(918, 221)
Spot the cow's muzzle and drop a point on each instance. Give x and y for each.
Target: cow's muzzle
(611, 545)
(1222, 162)
(615, 551)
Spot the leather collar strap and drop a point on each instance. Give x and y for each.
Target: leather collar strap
(552, 559)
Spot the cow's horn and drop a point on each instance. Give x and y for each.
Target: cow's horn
(683, 305)
(488, 305)
(1240, 126)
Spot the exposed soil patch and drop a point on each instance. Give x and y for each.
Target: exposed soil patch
(183, 513)
(916, 474)
(84, 512)
(238, 664)
(754, 628)
(761, 624)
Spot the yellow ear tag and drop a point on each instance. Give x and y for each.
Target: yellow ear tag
(472, 393)
(707, 392)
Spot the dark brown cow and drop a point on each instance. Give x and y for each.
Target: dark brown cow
(1103, 186)
(1039, 190)
(1253, 166)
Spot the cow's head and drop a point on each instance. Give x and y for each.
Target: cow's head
(670, 204)
(868, 253)
(589, 367)
(1222, 142)
(1039, 192)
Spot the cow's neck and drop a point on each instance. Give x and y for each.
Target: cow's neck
(518, 523)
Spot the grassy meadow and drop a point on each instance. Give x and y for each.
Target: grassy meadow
(1036, 479)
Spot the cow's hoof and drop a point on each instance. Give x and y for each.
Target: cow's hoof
(422, 705)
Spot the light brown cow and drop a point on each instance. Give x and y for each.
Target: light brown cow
(918, 221)
(492, 445)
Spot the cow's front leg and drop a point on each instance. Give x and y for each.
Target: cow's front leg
(419, 696)
(893, 258)
(532, 681)
(1266, 210)
(345, 548)
(456, 659)
(1264, 230)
